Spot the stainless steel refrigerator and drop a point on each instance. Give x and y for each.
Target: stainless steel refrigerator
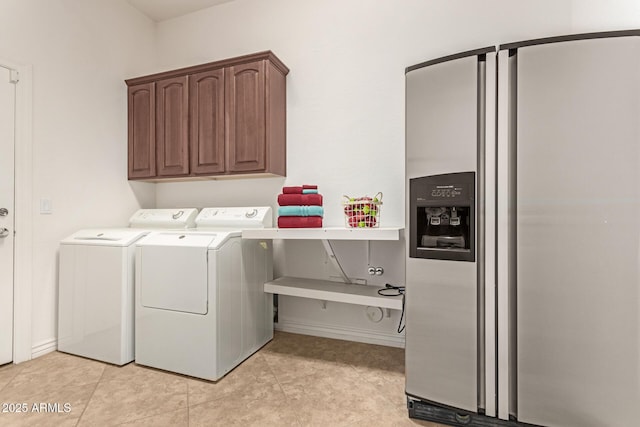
(556, 279)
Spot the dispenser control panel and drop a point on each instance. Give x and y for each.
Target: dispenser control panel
(446, 191)
(442, 217)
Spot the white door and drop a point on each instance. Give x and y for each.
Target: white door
(7, 112)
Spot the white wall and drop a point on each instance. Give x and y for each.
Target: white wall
(81, 51)
(594, 15)
(345, 104)
(346, 86)
(345, 111)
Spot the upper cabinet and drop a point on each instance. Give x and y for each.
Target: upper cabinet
(142, 130)
(225, 118)
(206, 106)
(172, 127)
(246, 124)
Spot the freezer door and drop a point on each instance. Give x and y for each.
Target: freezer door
(441, 299)
(578, 233)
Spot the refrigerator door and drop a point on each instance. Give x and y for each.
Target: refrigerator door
(441, 300)
(578, 233)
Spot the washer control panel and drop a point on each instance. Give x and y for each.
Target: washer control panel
(177, 218)
(238, 217)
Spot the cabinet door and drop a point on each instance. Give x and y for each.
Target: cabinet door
(172, 126)
(206, 107)
(245, 134)
(142, 133)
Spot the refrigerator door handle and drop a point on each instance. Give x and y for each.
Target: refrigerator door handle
(487, 226)
(506, 187)
(480, 230)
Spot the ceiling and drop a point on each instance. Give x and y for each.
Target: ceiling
(160, 10)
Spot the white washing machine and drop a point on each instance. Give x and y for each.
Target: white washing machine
(200, 305)
(96, 285)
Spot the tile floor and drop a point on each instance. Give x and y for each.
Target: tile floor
(295, 380)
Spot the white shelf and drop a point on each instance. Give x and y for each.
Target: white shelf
(332, 291)
(328, 233)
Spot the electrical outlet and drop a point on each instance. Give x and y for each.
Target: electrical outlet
(375, 271)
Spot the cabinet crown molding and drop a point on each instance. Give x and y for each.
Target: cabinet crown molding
(267, 54)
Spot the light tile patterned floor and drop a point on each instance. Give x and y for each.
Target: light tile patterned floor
(295, 380)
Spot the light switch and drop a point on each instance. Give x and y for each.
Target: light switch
(45, 207)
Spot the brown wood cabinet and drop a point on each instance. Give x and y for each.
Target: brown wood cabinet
(245, 101)
(172, 126)
(142, 131)
(206, 106)
(221, 119)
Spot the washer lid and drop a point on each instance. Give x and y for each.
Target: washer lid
(105, 237)
(188, 239)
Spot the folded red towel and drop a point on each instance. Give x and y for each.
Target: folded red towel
(300, 221)
(298, 189)
(292, 190)
(300, 199)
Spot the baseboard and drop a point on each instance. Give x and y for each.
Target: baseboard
(341, 333)
(44, 348)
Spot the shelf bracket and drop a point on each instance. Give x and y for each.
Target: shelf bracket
(332, 256)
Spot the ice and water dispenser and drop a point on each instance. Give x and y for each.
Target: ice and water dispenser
(443, 217)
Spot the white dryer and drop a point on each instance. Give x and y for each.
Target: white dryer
(96, 285)
(200, 305)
